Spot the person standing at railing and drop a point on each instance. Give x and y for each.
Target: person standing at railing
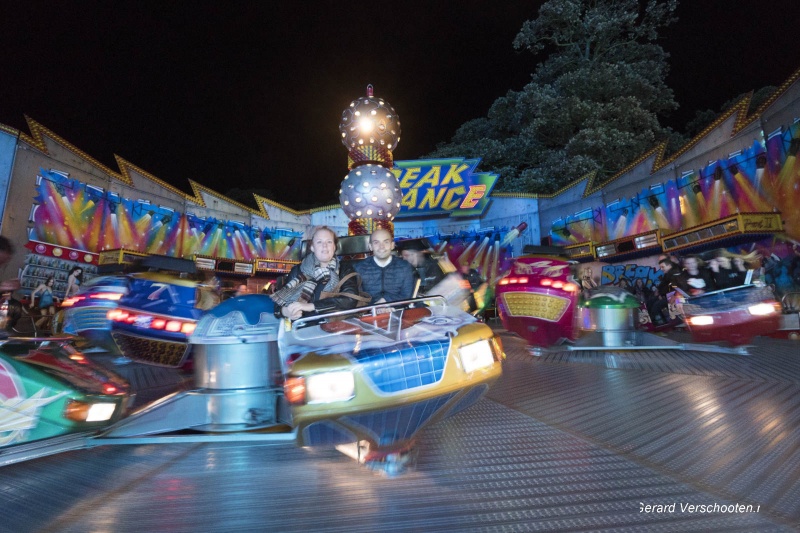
(47, 301)
(6, 252)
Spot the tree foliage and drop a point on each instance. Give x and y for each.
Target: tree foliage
(592, 104)
(705, 117)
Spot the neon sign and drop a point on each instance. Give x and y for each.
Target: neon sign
(448, 186)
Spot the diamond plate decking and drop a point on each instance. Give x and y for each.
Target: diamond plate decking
(567, 441)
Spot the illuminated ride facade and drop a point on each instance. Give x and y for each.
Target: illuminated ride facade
(316, 379)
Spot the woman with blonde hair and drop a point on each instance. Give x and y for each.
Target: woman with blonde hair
(320, 283)
(729, 269)
(722, 268)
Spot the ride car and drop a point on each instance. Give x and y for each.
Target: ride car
(153, 320)
(368, 378)
(735, 315)
(48, 388)
(86, 313)
(537, 299)
(380, 375)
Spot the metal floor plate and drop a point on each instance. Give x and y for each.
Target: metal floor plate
(572, 441)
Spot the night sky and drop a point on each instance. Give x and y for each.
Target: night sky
(249, 94)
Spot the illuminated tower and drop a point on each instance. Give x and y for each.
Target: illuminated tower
(370, 194)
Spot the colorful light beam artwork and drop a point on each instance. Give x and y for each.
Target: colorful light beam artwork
(761, 178)
(69, 213)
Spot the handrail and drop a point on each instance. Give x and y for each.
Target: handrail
(374, 310)
(795, 300)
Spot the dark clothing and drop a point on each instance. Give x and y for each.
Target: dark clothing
(335, 303)
(699, 283)
(672, 278)
(474, 278)
(658, 309)
(393, 282)
(475, 281)
(726, 278)
(657, 304)
(640, 292)
(429, 273)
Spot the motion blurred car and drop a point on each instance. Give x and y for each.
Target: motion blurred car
(86, 313)
(49, 389)
(537, 299)
(735, 315)
(146, 316)
(368, 378)
(152, 322)
(144, 309)
(379, 375)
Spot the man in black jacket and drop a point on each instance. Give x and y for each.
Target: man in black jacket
(426, 269)
(657, 304)
(385, 277)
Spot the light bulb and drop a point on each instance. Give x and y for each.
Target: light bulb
(366, 125)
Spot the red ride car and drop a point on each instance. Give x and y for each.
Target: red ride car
(537, 299)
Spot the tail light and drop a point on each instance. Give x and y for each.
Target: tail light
(152, 322)
(173, 325)
(567, 286)
(69, 302)
(106, 295)
(513, 280)
(294, 390)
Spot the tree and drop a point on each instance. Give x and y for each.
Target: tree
(705, 117)
(591, 105)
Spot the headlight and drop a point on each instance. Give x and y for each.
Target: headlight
(476, 356)
(761, 309)
(499, 353)
(89, 412)
(330, 387)
(701, 320)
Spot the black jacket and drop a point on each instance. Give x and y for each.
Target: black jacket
(728, 277)
(429, 273)
(699, 283)
(671, 279)
(393, 282)
(335, 303)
